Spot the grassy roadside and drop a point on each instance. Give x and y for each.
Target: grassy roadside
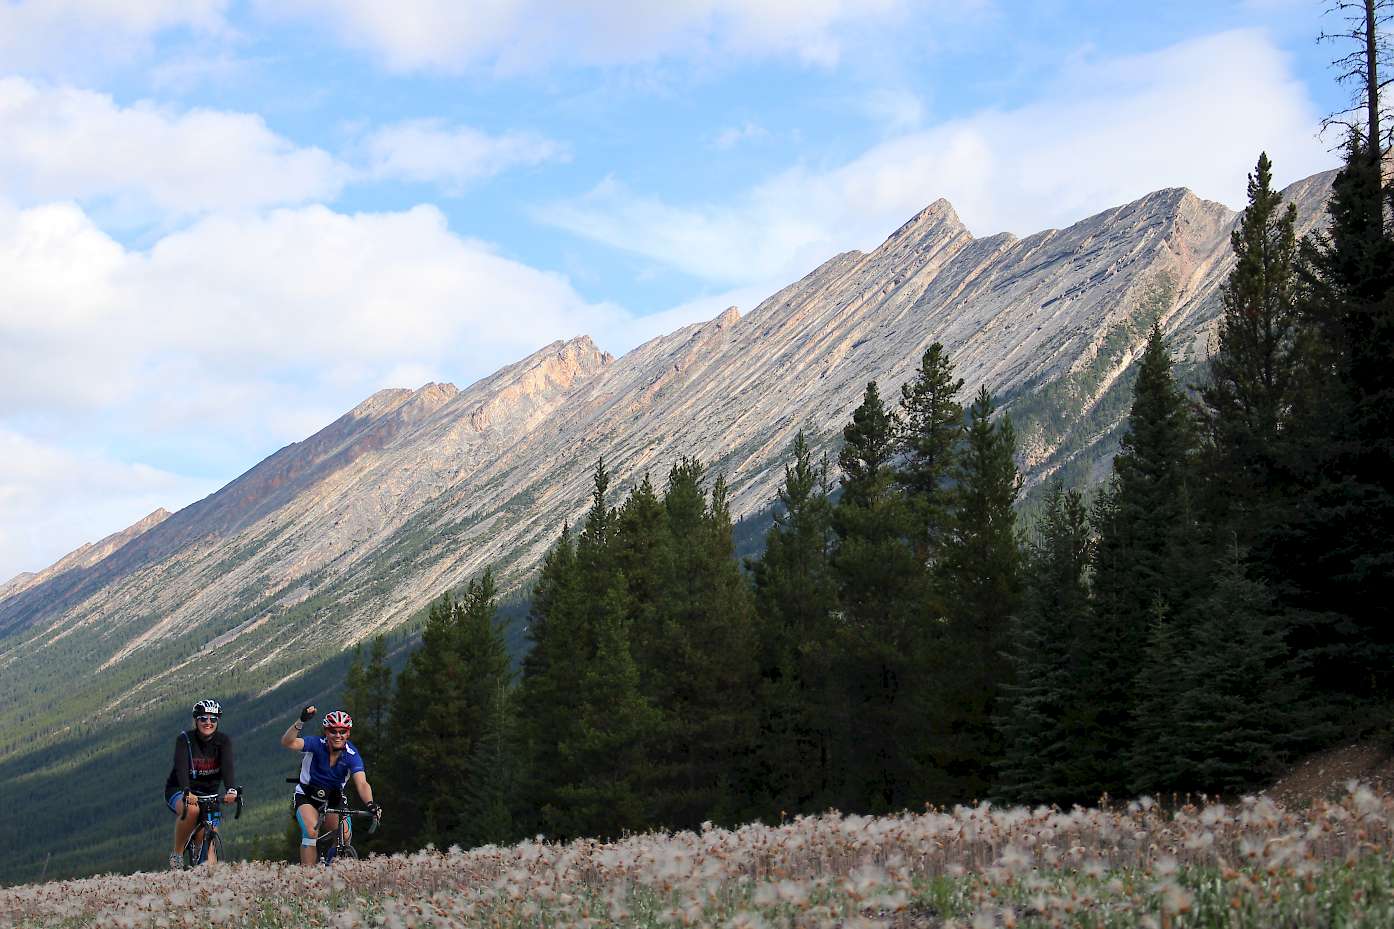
(1254, 864)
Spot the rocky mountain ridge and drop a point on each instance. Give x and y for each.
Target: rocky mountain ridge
(352, 530)
(255, 592)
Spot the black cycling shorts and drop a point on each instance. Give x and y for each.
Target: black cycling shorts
(318, 797)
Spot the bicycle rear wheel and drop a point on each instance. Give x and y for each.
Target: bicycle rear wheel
(348, 851)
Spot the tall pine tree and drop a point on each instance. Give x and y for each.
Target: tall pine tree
(1336, 551)
(1249, 397)
(1040, 720)
(931, 426)
(701, 668)
(1145, 572)
(368, 697)
(796, 602)
(587, 766)
(882, 589)
(979, 576)
(440, 711)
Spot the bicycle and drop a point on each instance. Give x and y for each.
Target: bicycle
(335, 844)
(205, 836)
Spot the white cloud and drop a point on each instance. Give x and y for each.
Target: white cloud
(237, 308)
(525, 35)
(227, 339)
(1193, 115)
(63, 36)
(898, 109)
(52, 499)
(732, 136)
(429, 150)
(146, 163)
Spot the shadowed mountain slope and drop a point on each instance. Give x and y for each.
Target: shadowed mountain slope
(250, 591)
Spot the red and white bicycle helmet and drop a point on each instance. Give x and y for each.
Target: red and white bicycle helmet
(338, 719)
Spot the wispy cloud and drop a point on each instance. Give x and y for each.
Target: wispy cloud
(732, 136)
(529, 35)
(432, 151)
(1107, 132)
(59, 37)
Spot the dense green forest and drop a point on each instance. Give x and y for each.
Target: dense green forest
(901, 635)
(1218, 606)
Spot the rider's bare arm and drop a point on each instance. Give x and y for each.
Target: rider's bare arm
(291, 737)
(360, 784)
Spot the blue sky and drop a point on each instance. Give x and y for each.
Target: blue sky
(223, 223)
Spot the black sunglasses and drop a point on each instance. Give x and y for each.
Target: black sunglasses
(206, 719)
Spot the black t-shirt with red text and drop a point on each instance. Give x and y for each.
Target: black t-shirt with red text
(200, 765)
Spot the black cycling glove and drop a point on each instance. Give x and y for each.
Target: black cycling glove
(307, 714)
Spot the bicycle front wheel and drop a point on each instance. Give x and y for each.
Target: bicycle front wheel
(215, 846)
(348, 851)
(196, 849)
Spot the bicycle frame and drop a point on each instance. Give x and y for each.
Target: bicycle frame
(206, 831)
(334, 844)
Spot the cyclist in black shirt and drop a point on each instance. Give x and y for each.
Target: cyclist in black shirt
(202, 758)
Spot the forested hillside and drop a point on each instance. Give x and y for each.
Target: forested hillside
(1220, 604)
(1182, 611)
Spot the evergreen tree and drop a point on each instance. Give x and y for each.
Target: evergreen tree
(1252, 372)
(484, 658)
(642, 549)
(1157, 757)
(1240, 707)
(599, 787)
(428, 684)
(1145, 571)
(702, 669)
(493, 776)
(550, 679)
(583, 717)
(802, 722)
(882, 590)
(1335, 552)
(980, 579)
(440, 710)
(368, 698)
(931, 426)
(1040, 720)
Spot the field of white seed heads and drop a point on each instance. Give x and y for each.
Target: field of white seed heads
(1253, 864)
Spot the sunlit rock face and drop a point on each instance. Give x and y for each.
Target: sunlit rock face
(352, 530)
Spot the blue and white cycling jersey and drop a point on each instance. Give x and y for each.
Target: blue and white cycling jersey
(316, 771)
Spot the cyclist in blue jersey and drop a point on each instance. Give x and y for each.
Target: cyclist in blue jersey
(326, 766)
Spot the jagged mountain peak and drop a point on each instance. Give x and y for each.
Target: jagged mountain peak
(940, 213)
(379, 403)
(414, 491)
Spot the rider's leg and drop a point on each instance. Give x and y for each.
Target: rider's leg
(331, 823)
(185, 823)
(308, 818)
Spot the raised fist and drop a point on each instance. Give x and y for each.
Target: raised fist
(308, 713)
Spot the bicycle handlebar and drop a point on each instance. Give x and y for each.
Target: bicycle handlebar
(215, 801)
(345, 811)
